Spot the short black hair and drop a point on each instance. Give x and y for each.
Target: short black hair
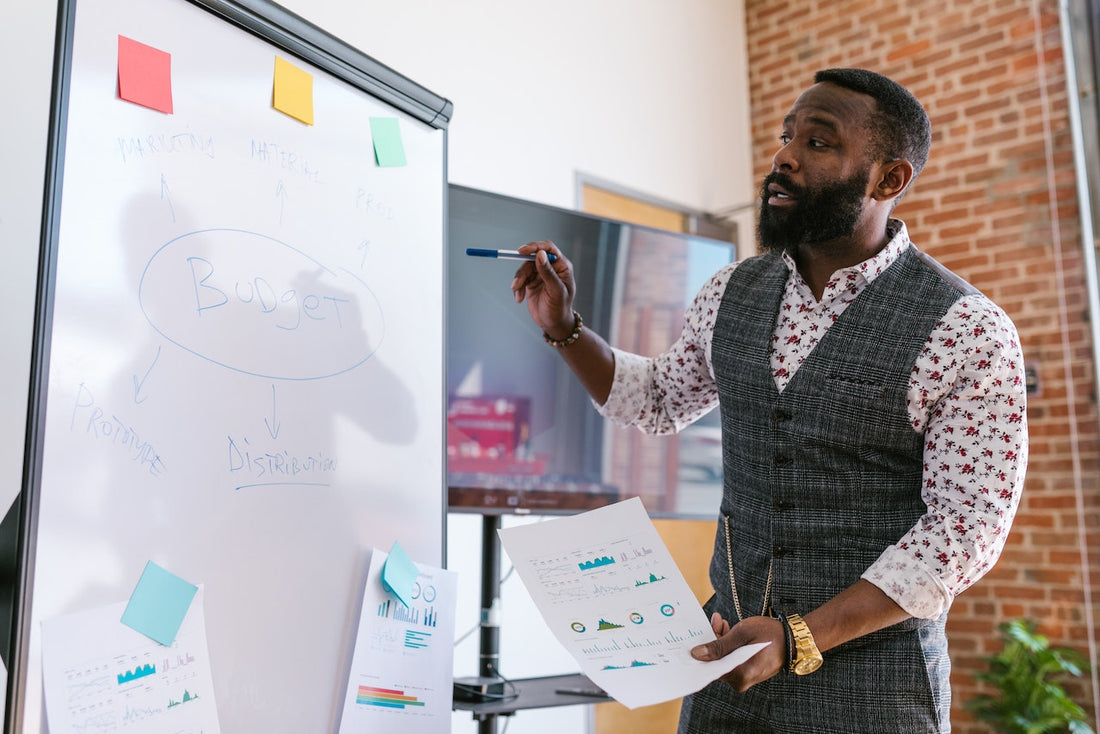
(901, 128)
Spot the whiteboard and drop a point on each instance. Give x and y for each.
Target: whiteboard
(240, 355)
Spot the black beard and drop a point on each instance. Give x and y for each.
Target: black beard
(818, 215)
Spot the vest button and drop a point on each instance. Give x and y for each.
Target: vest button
(779, 551)
(782, 460)
(781, 415)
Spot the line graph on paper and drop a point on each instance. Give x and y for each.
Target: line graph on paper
(102, 677)
(600, 571)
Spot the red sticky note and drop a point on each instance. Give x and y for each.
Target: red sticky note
(144, 75)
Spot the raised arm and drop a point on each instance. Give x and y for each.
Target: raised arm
(549, 288)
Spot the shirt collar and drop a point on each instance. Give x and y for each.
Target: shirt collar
(875, 265)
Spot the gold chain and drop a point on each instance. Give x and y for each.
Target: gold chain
(733, 584)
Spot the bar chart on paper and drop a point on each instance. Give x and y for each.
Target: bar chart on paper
(400, 675)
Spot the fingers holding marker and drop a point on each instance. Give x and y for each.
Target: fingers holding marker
(545, 266)
(526, 276)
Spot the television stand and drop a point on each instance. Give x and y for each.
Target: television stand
(490, 696)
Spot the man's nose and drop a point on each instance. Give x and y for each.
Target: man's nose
(784, 158)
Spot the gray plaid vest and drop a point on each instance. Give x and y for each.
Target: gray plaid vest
(821, 478)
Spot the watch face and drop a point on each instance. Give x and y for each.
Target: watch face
(807, 665)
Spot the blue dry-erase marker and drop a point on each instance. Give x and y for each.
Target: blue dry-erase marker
(505, 254)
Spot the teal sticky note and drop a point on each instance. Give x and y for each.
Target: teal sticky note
(159, 604)
(386, 135)
(399, 574)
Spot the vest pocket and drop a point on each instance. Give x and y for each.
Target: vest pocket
(865, 414)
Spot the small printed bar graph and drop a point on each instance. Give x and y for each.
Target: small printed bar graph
(401, 613)
(417, 640)
(426, 616)
(385, 698)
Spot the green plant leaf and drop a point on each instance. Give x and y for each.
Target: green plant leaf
(1028, 696)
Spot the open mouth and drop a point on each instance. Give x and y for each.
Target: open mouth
(779, 196)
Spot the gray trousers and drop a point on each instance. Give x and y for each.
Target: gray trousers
(895, 681)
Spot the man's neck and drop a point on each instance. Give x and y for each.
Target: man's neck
(817, 262)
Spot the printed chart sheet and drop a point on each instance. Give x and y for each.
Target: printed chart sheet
(102, 676)
(608, 588)
(401, 671)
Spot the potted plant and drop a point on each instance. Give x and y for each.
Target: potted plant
(1027, 675)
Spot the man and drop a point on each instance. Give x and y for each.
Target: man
(874, 429)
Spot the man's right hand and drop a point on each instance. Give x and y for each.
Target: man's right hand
(547, 287)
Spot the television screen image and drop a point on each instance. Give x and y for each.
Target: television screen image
(522, 434)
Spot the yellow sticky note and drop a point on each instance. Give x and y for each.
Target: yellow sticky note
(293, 92)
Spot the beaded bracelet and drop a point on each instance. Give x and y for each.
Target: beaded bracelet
(574, 336)
(789, 639)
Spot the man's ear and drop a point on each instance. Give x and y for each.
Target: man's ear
(894, 177)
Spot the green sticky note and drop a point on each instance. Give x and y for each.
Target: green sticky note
(386, 134)
(399, 574)
(159, 603)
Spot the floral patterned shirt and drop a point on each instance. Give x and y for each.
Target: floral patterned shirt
(966, 395)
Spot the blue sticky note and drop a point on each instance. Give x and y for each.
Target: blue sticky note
(159, 604)
(386, 135)
(399, 574)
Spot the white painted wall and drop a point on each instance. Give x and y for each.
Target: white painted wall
(650, 95)
(26, 54)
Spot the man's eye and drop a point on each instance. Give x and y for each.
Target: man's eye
(815, 143)
(784, 138)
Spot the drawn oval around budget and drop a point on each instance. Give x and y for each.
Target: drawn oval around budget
(256, 305)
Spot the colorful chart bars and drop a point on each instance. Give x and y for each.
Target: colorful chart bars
(385, 698)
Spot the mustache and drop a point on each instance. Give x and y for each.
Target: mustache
(781, 179)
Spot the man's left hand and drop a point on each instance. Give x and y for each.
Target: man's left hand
(760, 666)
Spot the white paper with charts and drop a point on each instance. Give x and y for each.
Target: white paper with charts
(401, 670)
(101, 676)
(608, 588)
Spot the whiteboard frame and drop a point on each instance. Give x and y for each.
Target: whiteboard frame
(283, 30)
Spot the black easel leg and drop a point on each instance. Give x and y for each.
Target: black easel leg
(490, 595)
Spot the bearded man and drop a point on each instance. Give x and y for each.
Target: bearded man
(873, 420)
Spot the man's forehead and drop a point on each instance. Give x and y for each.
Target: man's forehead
(830, 103)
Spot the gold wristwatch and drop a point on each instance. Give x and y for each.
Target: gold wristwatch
(806, 658)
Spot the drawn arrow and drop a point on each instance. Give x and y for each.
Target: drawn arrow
(138, 384)
(364, 246)
(281, 195)
(273, 425)
(166, 195)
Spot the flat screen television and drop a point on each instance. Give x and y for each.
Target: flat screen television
(522, 434)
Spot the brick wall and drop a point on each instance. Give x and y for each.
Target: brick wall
(997, 204)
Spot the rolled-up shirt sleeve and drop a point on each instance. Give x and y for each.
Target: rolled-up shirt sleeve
(967, 394)
(663, 394)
